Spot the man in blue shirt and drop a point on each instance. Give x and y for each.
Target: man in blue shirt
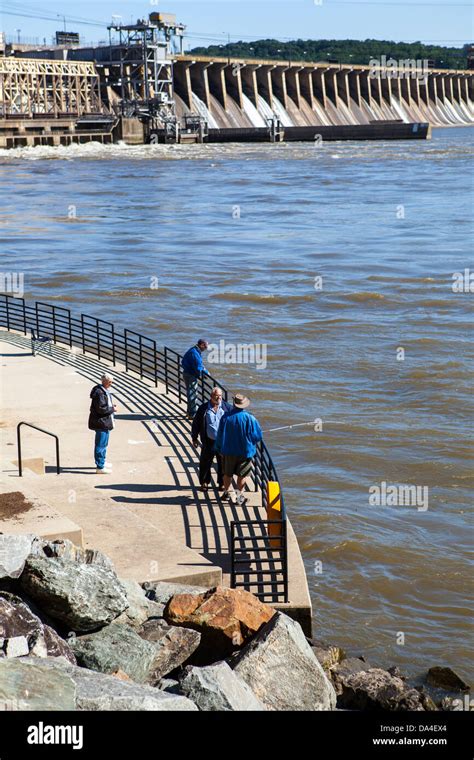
(205, 426)
(237, 438)
(193, 369)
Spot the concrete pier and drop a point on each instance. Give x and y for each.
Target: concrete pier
(148, 516)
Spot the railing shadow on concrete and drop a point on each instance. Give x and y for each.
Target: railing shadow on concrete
(158, 415)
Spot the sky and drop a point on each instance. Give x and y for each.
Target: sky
(444, 22)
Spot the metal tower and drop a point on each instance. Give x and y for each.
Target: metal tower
(143, 56)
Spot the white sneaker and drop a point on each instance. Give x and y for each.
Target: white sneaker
(104, 471)
(108, 465)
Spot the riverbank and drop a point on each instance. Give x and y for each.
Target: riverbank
(75, 636)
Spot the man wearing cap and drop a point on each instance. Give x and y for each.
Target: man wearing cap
(101, 419)
(205, 426)
(193, 369)
(237, 438)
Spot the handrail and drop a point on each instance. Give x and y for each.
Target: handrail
(135, 351)
(35, 427)
(139, 354)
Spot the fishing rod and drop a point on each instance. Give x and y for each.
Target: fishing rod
(303, 424)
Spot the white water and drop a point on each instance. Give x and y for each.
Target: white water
(203, 111)
(250, 110)
(282, 114)
(398, 108)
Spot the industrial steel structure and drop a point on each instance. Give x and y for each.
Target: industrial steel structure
(157, 94)
(31, 87)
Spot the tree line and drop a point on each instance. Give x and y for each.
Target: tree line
(343, 51)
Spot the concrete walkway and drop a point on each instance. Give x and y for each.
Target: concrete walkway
(148, 516)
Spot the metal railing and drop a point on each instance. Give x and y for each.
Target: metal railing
(136, 352)
(261, 558)
(46, 432)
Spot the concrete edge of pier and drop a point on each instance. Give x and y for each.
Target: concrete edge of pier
(148, 516)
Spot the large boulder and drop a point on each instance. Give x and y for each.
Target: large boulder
(14, 550)
(162, 591)
(113, 648)
(23, 633)
(282, 670)
(34, 687)
(173, 646)
(98, 692)
(226, 618)
(62, 548)
(445, 678)
(84, 597)
(376, 689)
(218, 688)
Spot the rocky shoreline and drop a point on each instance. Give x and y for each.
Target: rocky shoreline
(73, 636)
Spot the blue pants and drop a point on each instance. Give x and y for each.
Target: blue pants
(100, 450)
(191, 390)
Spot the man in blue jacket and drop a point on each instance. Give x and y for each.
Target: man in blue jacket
(193, 369)
(237, 438)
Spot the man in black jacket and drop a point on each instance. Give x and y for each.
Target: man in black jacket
(205, 426)
(101, 419)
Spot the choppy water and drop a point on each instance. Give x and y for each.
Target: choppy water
(385, 225)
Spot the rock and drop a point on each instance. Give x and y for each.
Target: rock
(445, 678)
(218, 688)
(155, 610)
(343, 670)
(121, 676)
(226, 619)
(140, 608)
(62, 548)
(169, 684)
(376, 689)
(281, 669)
(162, 591)
(97, 692)
(16, 619)
(327, 655)
(173, 646)
(34, 687)
(394, 671)
(464, 703)
(82, 596)
(16, 647)
(116, 647)
(14, 550)
(427, 702)
(18, 623)
(56, 646)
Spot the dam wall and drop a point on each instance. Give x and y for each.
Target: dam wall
(78, 97)
(233, 93)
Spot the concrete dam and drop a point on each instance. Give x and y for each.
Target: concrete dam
(136, 89)
(233, 92)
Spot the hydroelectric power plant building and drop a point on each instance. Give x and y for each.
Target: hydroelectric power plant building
(138, 90)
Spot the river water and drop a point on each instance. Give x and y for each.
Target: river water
(228, 243)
